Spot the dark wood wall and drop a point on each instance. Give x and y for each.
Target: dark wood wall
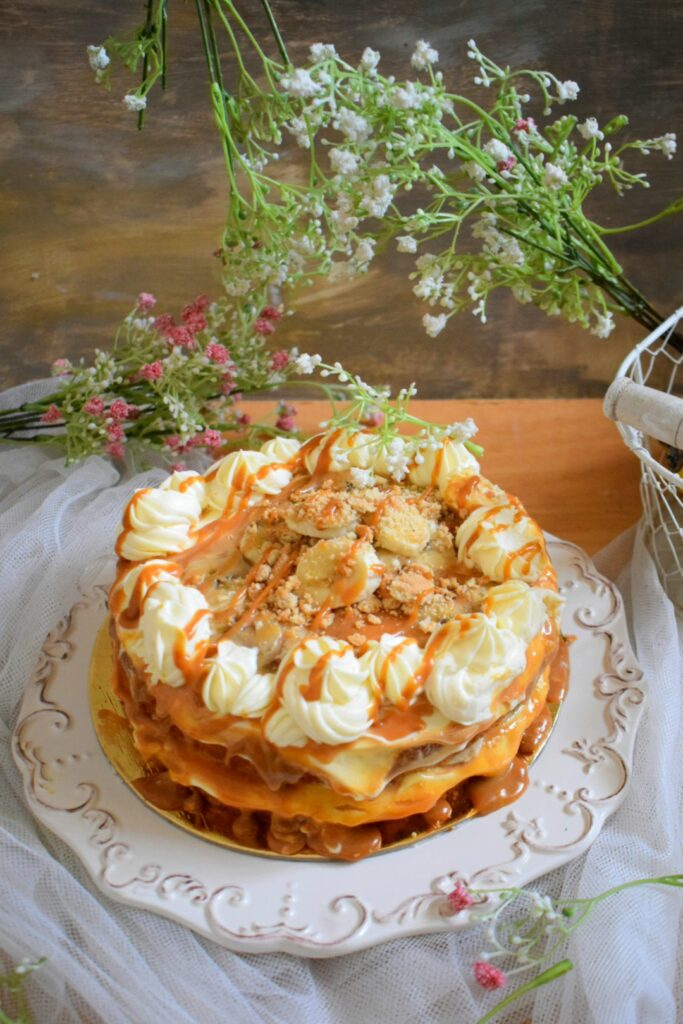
(92, 212)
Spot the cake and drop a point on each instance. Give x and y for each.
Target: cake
(325, 649)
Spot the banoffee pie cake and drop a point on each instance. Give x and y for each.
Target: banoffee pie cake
(315, 657)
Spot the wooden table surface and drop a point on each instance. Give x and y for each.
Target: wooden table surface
(93, 211)
(562, 458)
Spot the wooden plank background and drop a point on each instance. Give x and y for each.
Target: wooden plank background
(92, 212)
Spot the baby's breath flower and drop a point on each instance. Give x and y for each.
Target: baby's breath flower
(305, 363)
(604, 325)
(434, 325)
(567, 91)
(352, 125)
(369, 59)
(590, 129)
(300, 83)
(666, 144)
(98, 58)
(554, 177)
(322, 51)
(343, 162)
(424, 55)
(497, 149)
(406, 243)
(134, 103)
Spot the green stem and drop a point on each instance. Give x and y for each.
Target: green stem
(556, 971)
(147, 31)
(276, 31)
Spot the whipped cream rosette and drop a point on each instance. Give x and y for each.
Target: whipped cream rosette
(334, 638)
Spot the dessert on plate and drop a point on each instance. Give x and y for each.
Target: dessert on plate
(326, 648)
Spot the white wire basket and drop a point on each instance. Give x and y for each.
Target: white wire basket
(657, 364)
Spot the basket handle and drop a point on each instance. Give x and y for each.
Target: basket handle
(655, 413)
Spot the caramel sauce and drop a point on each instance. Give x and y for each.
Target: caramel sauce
(343, 843)
(489, 794)
(536, 734)
(559, 672)
(280, 570)
(129, 617)
(396, 724)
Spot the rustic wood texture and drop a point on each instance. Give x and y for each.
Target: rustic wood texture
(561, 457)
(92, 211)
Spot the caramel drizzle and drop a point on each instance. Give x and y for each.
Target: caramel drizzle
(129, 617)
(190, 664)
(280, 570)
(227, 613)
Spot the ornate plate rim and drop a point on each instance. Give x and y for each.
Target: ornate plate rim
(252, 904)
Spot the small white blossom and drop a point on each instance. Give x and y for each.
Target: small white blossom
(343, 217)
(604, 325)
(362, 477)
(497, 149)
(300, 83)
(322, 51)
(298, 128)
(237, 287)
(369, 59)
(352, 125)
(554, 177)
(378, 199)
(474, 170)
(98, 58)
(143, 323)
(424, 55)
(397, 458)
(667, 144)
(305, 363)
(567, 91)
(407, 98)
(462, 431)
(134, 103)
(343, 162)
(406, 243)
(590, 129)
(365, 251)
(434, 325)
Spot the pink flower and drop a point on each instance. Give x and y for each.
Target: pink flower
(459, 898)
(51, 415)
(146, 301)
(374, 419)
(244, 419)
(94, 406)
(505, 166)
(115, 432)
(216, 352)
(227, 384)
(116, 450)
(524, 124)
(164, 324)
(60, 367)
(173, 441)
(488, 976)
(279, 360)
(285, 423)
(120, 410)
(152, 371)
(182, 336)
(264, 326)
(195, 321)
(271, 313)
(199, 304)
(212, 439)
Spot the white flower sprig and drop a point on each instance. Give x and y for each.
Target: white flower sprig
(369, 139)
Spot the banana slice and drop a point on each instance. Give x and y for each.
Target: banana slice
(340, 571)
(402, 529)
(322, 514)
(255, 539)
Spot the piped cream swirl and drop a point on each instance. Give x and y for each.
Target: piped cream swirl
(440, 466)
(326, 690)
(233, 685)
(473, 660)
(159, 520)
(244, 478)
(174, 623)
(503, 542)
(392, 663)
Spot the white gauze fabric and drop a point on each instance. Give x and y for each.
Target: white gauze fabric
(114, 964)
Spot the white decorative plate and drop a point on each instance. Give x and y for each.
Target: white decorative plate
(254, 904)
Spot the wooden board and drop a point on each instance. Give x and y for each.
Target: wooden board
(93, 212)
(564, 460)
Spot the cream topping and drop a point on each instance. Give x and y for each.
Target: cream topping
(440, 466)
(327, 691)
(170, 608)
(392, 662)
(342, 450)
(503, 542)
(243, 478)
(516, 606)
(233, 684)
(160, 519)
(473, 660)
